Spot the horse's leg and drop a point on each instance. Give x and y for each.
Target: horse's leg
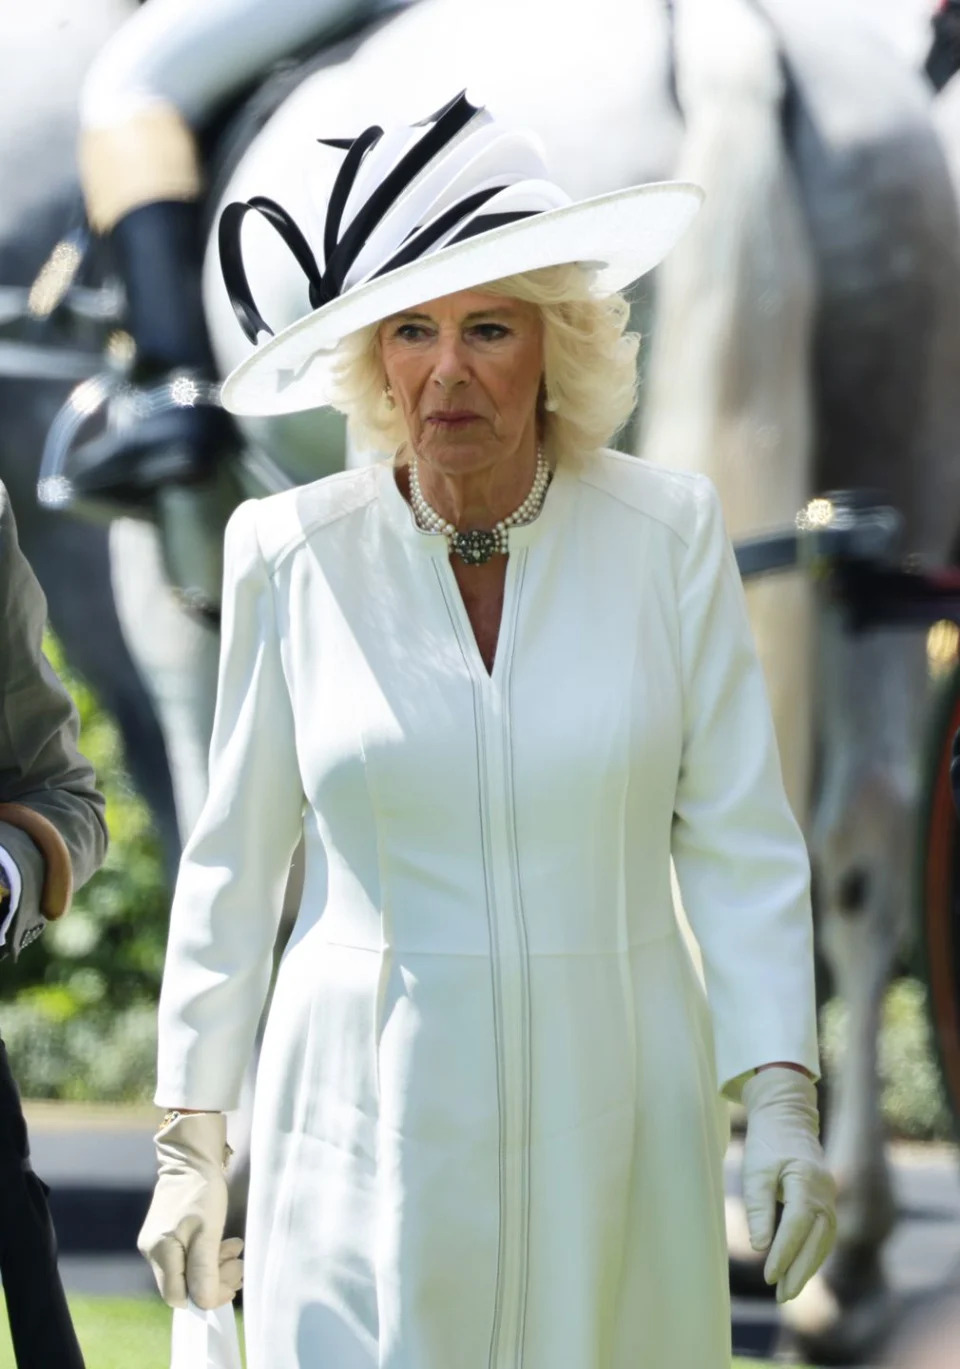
(871, 691)
(176, 655)
(94, 645)
(728, 390)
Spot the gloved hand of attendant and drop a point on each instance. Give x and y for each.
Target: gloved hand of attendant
(784, 1161)
(181, 1234)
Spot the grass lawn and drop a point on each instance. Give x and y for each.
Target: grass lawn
(113, 1332)
(117, 1333)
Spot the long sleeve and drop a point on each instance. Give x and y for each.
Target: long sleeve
(47, 787)
(739, 854)
(233, 871)
(11, 877)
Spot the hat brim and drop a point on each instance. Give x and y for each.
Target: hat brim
(623, 234)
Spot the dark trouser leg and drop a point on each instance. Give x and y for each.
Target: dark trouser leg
(40, 1325)
(158, 249)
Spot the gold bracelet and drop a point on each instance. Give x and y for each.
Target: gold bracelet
(175, 1114)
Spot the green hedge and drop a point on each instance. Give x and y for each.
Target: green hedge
(88, 1057)
(77, 1008)
(913, 1100)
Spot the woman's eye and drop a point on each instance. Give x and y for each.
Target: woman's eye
(489, 332)
(410, 332)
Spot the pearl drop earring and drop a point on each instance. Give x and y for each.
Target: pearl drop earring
(549, 403)
(388, 398)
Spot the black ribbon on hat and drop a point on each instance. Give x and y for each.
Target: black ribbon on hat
(341, 251)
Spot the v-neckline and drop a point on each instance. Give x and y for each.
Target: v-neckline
(471, 645)
(490, 611)
(463, 628)
(434, 547)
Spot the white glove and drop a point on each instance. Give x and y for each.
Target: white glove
(783, 1159)
(180, 1236)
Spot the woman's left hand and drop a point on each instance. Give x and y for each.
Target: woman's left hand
(783, 1160)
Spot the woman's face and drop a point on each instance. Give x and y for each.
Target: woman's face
(465, 373)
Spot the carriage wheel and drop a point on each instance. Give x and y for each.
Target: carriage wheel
(938, 889)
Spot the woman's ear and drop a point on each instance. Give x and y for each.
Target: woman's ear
(386, 391)
(546, 404)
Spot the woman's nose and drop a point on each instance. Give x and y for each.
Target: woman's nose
(450, 369)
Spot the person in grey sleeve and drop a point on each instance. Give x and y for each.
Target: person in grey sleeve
(53, 837)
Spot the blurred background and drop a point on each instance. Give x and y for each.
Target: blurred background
(802, 347)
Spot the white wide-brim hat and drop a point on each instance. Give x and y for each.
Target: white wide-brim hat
(449, 204)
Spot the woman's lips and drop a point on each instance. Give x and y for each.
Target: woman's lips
(453, 419)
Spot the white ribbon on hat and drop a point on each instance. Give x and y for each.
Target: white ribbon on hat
(483, 156)
(204, 1339)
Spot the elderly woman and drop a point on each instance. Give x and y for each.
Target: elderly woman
(496, 682)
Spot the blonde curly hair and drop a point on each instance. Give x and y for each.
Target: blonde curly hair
(590, 367)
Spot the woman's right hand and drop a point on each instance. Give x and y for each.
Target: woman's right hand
(181, 1234)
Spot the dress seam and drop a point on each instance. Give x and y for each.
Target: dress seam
(276, 644)
(295, 541)
(480, 738)
(649, 514)
(527, 1086)
(385, 949)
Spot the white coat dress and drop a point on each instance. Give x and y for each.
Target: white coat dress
(488, 1123)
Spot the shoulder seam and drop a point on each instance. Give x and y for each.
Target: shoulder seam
(643, 513)
(321, 520)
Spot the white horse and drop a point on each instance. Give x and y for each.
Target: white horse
(782, 366)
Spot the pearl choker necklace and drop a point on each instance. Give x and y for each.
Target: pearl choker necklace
(478, 546)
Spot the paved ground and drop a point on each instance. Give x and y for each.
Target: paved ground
(100, 1167)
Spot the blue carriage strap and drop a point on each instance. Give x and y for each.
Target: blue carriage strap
(342, 249)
